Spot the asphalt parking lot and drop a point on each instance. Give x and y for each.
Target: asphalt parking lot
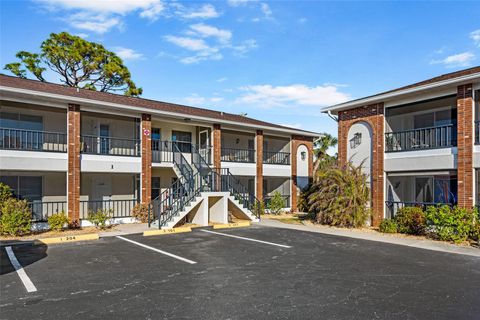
(286, 274)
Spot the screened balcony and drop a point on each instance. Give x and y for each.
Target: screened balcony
(420, 189)
(238, 147)
(276, 150)
(424, 125)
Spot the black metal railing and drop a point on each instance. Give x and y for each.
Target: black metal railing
(477, 132)
(30, 140)
(115, 208)
(110, 146)
(275, 157)
(393, 206)
(162, 151)
(237, 155)
(41, 210)
(424, 138)
(268, 199)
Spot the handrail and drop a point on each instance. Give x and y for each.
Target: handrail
(421, 139)
(419, 129)
(32, 140)
(110, 145)
(237, 155)
(276, 157)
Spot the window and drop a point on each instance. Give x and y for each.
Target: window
(155, 187)
(183, 140)
(156, 137)
(24, 187)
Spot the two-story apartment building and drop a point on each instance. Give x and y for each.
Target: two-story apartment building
(419, 144)
(76, 150)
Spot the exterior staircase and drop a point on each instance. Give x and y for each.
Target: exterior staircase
(196, 182)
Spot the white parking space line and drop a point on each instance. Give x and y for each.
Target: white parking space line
(21, 273)
(249, 239)
(157, 250)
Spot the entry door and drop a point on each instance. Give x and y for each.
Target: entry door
(101, 188)
(104, 139)
(204, 142)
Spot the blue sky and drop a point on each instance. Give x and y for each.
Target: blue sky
(276, 61)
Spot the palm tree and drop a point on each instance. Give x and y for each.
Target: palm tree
(320, 148)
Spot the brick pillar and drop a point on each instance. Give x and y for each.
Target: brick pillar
(146, 179)
(217, 146)
(259, 165)
(373, 115)
(465, 141)
(73, 156)
(296, 142)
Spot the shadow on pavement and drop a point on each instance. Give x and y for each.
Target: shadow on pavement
(27, 254)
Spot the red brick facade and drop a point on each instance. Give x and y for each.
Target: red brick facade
(73, 156)
(217, 146)
(374, 116)
(465, 142)
(259, 165)
(146, 180)
(296, 142)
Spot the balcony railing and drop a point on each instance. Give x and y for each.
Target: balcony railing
(393, 206)
(162, 151)
(268, 199)
(238, 155)
(30, 140)
(420, 139)
(274, 157)
(41, 210)
(116, 208)
(110, 146)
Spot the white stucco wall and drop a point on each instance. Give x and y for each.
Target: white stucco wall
(362, 153)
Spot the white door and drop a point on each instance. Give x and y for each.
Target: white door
(204, 143)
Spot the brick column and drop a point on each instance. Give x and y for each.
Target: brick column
(217, 146)
(465, 141)
(373, 115)
(73, 156)
(146, 153)
(296, 142)
(259, 165)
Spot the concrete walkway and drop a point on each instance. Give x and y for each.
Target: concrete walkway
(124, 229)
(377, 236)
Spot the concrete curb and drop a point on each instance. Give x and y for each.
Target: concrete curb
(72, 238)
(415, 243)
(241, 224)
(160, 232)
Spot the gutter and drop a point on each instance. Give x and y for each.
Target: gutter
(386, 96)
(83, 101)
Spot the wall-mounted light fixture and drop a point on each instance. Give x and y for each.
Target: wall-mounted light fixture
(303, 155)
(237, 141)
(356, 140)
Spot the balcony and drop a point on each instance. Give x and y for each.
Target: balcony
(274, 157)
(421, 139)
(162, 151)
(238, 155)
(477, 132)
(110, 146)
(31, 140)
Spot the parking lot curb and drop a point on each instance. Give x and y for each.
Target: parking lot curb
(159, 232)
(232, 225)
(72, 238)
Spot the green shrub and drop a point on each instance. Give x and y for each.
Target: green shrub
(258, 208)
(451, 224)
(388, 226)
(140, 212)
(99, 218)
(5, 192)
(339, 196)
(15, 217)
(57, 221)
(277, 203)
(411, 220)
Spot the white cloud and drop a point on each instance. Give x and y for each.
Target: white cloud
(245, 47)
(296, 94)
(222, 79)
(457, 60)
(202, 50)
(267, 12)
(127, 54)
(302, 20)
(238, 3)
(102, 16)
(206, 31)
(204, 12)
(82, 35)
(196, 100)
(475, 36)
